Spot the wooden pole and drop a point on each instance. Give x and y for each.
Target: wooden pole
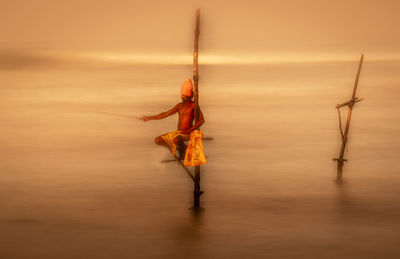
(184, 167)
(197, 192)
(350, 105)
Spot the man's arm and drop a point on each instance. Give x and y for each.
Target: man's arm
(161, 115)
(196, 125)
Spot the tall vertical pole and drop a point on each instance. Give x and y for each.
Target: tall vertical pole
(197, 192)
(350, 105)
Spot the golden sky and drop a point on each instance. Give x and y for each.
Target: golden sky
(231, 31)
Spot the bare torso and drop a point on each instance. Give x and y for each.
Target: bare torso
(185, 109)
(186, 115)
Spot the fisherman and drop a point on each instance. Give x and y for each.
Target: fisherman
(175, 140)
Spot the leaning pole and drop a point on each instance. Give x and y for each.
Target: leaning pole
(197, 192)
(340, 160)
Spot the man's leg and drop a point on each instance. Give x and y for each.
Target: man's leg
(181, 146)
(160, 141)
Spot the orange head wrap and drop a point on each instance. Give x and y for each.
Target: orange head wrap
(187, 88)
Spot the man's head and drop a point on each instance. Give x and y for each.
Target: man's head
(187, 90)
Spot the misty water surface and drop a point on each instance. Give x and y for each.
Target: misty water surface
(79, 184)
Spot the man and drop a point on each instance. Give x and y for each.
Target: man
(175, 140)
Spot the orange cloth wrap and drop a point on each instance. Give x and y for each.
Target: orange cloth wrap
(187, 87)
(195, 151)
(169, 139)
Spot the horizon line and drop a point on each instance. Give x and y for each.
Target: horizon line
(226, 59)
(210, 58)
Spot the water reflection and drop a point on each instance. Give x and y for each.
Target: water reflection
(343, 197)
(351, 208)
(192, 228)
(339, 175)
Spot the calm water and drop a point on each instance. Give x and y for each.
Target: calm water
(79, 184)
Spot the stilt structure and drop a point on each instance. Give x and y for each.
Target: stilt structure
(196, 176)
(197, 192)
(350, 104)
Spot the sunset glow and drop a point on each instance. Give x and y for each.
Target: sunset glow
(130, 58)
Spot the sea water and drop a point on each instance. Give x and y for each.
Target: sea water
(77, 181)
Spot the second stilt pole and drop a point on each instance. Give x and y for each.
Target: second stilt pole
(350, 104)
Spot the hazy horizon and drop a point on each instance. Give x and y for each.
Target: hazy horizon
(14, 60)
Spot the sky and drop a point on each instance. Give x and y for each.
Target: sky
(251, 31)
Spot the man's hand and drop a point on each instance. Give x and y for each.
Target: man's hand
(144, 118)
